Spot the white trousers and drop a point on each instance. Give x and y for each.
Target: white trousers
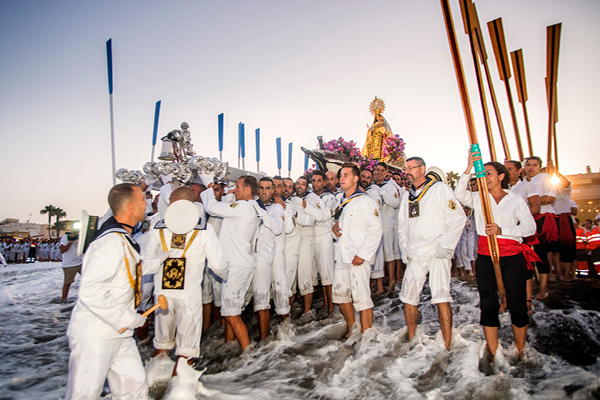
(351, 285)
(291, 271)
(377, 270)
(324, 259)
(416, 274)
(391, 248)
(233, 292)
(179, 326)
(305, 265)
(93, 360)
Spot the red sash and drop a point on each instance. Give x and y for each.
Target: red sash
(549, 231)
(565, 233)
(508, 247)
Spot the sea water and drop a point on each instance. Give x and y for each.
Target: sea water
(308, 357)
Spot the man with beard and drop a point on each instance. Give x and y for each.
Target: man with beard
(312, 207)
(323, 240)
(265, 275)
(279, 263)
(358, 231)
(293, 238)
(374, 191)
(430, 222)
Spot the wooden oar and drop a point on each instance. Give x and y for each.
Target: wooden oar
(483, 57)
(466, 7)
(552, 50)
(479, 169)
(519, 67)
(499, 45)
(162, 303)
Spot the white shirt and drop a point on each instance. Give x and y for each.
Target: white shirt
(545, 187)
(106, 298)
(70, 257)
(390, 199)
(525, 189)
(240, 225)
(511, 214)
(562, 203)
(441, 221)
(361, 228)
(271, 227)
(204, 247)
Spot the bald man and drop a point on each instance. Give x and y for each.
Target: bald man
(180, 325)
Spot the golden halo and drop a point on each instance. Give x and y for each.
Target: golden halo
(377, 106)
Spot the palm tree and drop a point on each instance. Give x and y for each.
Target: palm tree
(59, 213)
(50, 210)
(59, 225)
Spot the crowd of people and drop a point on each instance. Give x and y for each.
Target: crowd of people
(27, 250)
(212, 251)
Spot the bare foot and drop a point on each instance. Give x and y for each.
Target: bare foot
(379, 290)
(542, 295)
(390, 285)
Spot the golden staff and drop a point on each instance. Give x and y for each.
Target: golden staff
(499, 45)
(479, 169)
(466, 7)
(519, 67)
(552, 49)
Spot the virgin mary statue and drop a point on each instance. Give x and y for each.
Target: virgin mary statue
(377, 132)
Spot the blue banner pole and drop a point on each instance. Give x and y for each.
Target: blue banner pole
(155, 130)
(112, 119)
(305, 162)
(239, 143)
(257, 134)
(278, 145)
(290, 160)
(221, 137)
(243, 141)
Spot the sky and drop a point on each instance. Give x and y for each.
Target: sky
(294, 69)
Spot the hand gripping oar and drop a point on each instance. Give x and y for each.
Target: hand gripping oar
(485, 199)
(162, 303)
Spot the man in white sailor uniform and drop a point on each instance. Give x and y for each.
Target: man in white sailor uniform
(211, 284)
(108, 296)
(293, 239)
(310, 210)
(374, 191)
(237, 237)
(430, 222)
(323, 239)
(358, 232)
(279, 261)
(190, 241)
(390, 203)
(265, 274)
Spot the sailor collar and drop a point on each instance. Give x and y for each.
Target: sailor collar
(111, 225)
(200, 226)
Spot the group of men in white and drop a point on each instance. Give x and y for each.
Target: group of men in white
(17, 252)
(264, 241)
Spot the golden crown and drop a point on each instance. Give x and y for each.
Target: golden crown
(377, 106)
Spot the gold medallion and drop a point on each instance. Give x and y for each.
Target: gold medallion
(413, 209)
(173, 274)
(452, 205)
(178, 241)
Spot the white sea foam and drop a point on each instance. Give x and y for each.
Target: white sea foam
(310, 359)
